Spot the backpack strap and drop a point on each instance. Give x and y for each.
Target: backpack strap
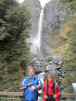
(47, 87)
(54, 88)
(54, 92)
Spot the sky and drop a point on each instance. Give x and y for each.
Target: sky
(43, 2)
(19, 1)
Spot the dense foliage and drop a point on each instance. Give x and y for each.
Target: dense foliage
(14, 25)
(70, 3)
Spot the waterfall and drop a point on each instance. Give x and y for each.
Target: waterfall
(38, 37)
(36, 41)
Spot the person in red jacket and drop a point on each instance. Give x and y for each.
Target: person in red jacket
(51, 90)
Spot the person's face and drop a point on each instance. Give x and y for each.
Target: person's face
(31, 71)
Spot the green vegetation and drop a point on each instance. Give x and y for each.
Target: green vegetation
(14, 25)
(70, 56)
(70, 3)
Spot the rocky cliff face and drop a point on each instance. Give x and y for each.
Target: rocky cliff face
(34, 8)
(53, 20)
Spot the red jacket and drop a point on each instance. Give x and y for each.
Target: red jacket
(51, 90)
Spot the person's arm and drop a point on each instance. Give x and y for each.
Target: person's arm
(58, 91)
(24, 84)
(37, 86)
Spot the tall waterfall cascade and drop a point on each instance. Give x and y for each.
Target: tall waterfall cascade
(36, 41)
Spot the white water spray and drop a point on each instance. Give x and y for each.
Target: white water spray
(43, 2)
(36, 41)
(20, 1)
(38, 36)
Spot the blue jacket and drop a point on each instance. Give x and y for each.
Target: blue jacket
(30, 95)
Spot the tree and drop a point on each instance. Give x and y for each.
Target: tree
(71, 35)
(70, 4)
(70, 56)
(14, 27)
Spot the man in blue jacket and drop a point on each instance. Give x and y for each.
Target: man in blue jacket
(31, 85)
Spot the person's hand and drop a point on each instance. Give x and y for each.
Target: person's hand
(21, 88)
(33, 88)
(40, 91)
